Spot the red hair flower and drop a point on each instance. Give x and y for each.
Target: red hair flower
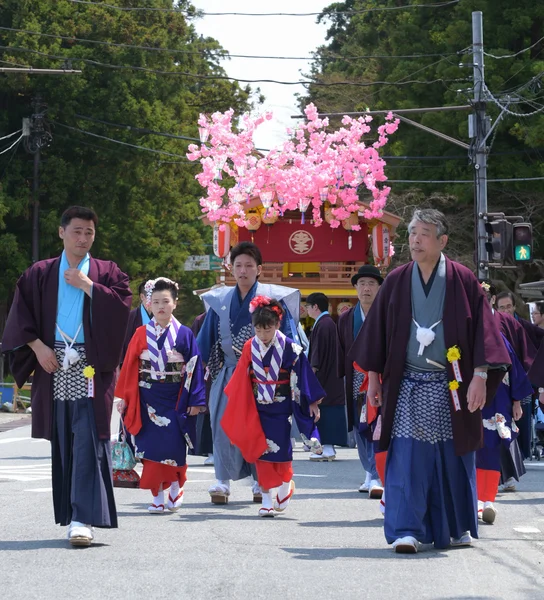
(258, 302)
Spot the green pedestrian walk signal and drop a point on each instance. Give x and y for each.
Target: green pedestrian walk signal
(522, 241)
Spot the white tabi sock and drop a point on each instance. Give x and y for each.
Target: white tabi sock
(284, 489)
(174, 489)
(158, 499)
(267, 500)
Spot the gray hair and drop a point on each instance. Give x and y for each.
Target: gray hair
(430, 216)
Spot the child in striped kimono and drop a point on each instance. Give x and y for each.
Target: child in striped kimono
(273, 381)
(161, 387)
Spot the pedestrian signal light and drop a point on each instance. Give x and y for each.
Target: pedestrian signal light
(522, 237)
(499, 240)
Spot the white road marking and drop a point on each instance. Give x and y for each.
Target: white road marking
(35, 472)
(9, 440)
(305, 475)
(526, 529)
(39, 490)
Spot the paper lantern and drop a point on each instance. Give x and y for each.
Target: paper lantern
(343, 307)
(234, 235)
(253, 219)
(269, 216)
(352, 220)
(267, 197)
(221, 240)
(380, 242)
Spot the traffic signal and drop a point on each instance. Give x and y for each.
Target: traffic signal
(499, 241)
(522, 242)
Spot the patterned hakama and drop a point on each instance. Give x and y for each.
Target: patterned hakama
(430, 491)
(81, 462)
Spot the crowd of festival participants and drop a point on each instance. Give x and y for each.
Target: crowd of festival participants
(434, 372)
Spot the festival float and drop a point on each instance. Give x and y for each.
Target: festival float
(314, 206)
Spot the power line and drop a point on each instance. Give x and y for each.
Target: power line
(14, 144)
(507, 110)
(103, 137)
(238, 80)
(517, 53)
(197, 12)
(220, 53)
(504, 180)
(10, 134)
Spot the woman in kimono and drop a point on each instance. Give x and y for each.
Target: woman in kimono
(499, 420)
(161, 388)
(272, 381)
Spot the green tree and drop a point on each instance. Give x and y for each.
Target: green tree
(148, 203)
(417, 53)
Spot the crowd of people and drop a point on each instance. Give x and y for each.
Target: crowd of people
(434, 373)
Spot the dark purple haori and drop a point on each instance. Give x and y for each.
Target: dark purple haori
(323, 357)
(33, 315)
(468, 323)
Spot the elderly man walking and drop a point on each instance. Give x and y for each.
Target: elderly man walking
(367, 283)
(430, 340)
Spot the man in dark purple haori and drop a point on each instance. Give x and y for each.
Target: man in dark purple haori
(323, 356)
(67, 325)
(432, 339)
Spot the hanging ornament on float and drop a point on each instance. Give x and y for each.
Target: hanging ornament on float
(203, 134)
(380, 243)
(254, 221)
(221, 240)
(303, 207)
(269, 216)
(267, 197)
(343, 307)
(234, 235)
(348, 224)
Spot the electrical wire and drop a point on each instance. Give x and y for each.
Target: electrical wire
(517, 53)
(103, 137)
(505, 180)
(5, 137)
(220, 53)
(200, 13)
(235, 79)
(14, 144)
(506, 109)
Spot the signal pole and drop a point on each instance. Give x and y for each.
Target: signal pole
(480, 127)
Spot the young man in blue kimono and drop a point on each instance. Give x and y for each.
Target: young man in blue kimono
(67, 325)
(434, 354)
(226, 328)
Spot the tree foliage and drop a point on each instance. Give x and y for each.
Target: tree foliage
(443, 38)
(147, 202)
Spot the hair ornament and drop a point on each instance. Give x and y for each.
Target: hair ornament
(149, 287)
(259, 302)
(485, 286)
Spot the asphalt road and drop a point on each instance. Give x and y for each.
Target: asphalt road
(328, 545)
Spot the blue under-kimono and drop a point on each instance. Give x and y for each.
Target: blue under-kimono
(226, 328)
(156, 408)
(268, 438)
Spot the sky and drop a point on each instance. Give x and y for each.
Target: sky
(270, 36)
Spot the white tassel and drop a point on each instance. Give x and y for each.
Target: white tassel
(425, 337)
(71, 357)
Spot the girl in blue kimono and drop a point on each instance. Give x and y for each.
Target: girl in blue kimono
(273, 381)
(161, 387)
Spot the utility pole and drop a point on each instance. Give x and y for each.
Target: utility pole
(479, 129)
(36, 136)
